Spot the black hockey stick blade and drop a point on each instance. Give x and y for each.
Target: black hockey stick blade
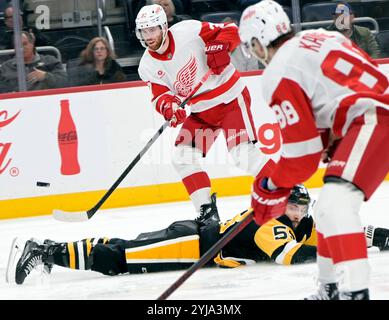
(213, 251)
(84, 216)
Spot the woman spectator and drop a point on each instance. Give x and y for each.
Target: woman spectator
(97, 65)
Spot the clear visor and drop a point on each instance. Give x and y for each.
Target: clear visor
(150, 32)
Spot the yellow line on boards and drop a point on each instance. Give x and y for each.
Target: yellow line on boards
(130, 196)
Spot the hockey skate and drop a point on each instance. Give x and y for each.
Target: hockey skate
(208, 212)
(355, 295)
(328, 291)
(28, 255)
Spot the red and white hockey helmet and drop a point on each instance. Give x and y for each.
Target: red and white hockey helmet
(150, 16)
(265, 21)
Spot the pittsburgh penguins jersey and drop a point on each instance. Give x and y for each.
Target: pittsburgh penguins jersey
(276, 240)
(283, 244)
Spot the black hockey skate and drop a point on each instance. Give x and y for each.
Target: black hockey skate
(355, 295)
(32, 256)
(377, 237)
(208, 212)
(48, 264)
(327, 291)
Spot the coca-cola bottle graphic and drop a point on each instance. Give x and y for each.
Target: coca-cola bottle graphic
(67, 141)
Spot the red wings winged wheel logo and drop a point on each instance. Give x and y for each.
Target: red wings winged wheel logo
(186, 78)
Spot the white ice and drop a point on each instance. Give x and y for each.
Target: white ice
(261, 281)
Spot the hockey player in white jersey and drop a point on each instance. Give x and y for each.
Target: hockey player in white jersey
(174, 61)
(332, 104)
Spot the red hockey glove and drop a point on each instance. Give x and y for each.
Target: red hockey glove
(218, 57)
(169, 108)
(178, 117)
(268, 204)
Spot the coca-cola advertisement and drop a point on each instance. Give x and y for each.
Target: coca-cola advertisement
(68, 141)
(5, 146)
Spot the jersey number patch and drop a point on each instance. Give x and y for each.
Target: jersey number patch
(286, 114)
(344, 69)
(281, 233)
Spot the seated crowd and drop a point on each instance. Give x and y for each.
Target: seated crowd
(97, 63)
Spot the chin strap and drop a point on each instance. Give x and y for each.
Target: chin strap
(262, 60)
(161, 50)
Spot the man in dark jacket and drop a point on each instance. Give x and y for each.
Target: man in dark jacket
(361, 36)
(42, 71)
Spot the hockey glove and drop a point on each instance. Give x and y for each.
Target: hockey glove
(330, 143)
(169, 108)
(218, 57)
(268, 204)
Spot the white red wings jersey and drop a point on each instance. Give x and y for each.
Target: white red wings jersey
(184, 63)
(318, 80)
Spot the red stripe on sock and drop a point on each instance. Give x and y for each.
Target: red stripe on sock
(196, 181)
(347, 247)
(322, 247)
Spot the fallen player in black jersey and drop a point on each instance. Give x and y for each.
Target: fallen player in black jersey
(289, 239)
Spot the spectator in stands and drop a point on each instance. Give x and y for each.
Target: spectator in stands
(242, 61)
(42, 71)
(97, 66)
(243, 4)
(343, 22)
(177, 4)
(6, 32)
(170, 10)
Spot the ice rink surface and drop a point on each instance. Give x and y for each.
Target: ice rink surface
(263, 281)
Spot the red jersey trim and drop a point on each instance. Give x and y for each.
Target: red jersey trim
(218, 90)
(347, 103)
(157, 90)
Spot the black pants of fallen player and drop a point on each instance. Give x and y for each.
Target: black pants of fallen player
(176, 247)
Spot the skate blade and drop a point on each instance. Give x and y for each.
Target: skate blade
(16, 248)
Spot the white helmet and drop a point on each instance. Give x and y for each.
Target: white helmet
(265, 21)
(151, 16)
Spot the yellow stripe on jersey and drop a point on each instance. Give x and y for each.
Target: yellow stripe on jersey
(238, 218)
(312, 240)
(184, 249)
(286, 255)
(88, 247)
(72, 255)
(273, 235)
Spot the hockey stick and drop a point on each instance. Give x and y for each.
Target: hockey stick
(209, 254)
(86, 215)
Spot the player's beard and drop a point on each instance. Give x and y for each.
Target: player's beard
(156, 43)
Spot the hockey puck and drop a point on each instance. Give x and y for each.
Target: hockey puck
(42, 184)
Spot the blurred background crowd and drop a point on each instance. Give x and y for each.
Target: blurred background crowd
(89, 42)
